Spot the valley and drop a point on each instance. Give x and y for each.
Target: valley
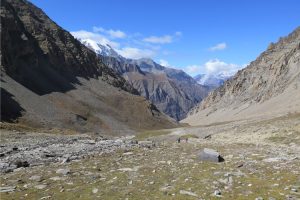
(261, 162)
(99, 115)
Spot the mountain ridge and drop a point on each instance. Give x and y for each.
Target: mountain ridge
(49, 75)
(172, 90)
(271, 80)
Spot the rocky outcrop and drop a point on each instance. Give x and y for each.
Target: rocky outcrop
(51, 80)
(268, 86)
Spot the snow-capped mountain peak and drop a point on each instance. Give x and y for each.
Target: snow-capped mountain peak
(101, 49)
(213, 80)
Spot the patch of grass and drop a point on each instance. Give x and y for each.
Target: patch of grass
(289, 138)
(187, 136)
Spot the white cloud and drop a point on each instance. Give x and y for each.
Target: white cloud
(159, 40)
(82, 34)
(135, 53)
(110, 32)
(214, 67)
(178, 33)
(98, 29)
(218, 47)
(164, 63)
(132, 46)
(192, 69)
(163, 39)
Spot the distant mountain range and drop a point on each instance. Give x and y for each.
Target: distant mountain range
(173, 91)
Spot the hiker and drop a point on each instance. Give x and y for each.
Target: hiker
(178, 140)
(186, 140)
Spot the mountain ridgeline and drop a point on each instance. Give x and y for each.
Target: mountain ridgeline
(173, 91)
(268, 87)
(49, 79)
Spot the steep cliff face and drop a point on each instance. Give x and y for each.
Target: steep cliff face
(268, 86)
(55, 81)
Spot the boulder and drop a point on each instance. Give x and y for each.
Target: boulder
(63, 171)
(210, 155)
(146, 143)
(188, 193)
(7, 189)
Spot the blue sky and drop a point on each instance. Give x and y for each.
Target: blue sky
(198, 36)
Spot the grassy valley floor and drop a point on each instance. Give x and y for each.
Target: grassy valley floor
(262, 161)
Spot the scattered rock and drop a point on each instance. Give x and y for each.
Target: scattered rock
(210, 155)
(95, 190)
(127, 153)
(66, 159)
(147, 144)
(259, 198)
(7, 189)
(40, 187)
(91, 142)
(57, 178)
(207, 137)
(63, 171)
(46, 197)
(276, 159)
(188, 193)
(36, 178)
(126, 169)
(240, 165)
(294, 190)
(217, 193)
(20, 163)
(166, 188)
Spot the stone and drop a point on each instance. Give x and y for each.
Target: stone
(259, 198)
(210, 155)
(207, 137)
(7, 189)
(57, 178)
(294, 190)
(166, 188)
(184, 192)
(126, 169)
(217, 193)
(20, 163)
(147, 144)
(128, 153)
(40, 187)
(63, 171)
(36, 178)
(45, 197)
(91, 142)
(95, 190)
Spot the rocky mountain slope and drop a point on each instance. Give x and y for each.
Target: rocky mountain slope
(268, 87)
(49, 79)
(171, 90)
